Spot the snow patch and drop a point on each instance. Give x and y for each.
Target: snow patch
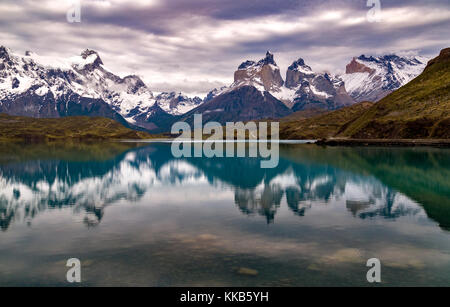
(43, 90)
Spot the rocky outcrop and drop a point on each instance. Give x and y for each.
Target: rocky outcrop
(444, 56)
(264, 74)
(297, 72)
(315, 90)
(355, 67)
(304, 89)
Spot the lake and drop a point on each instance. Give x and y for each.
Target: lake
(135, 215)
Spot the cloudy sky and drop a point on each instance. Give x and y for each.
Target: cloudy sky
(196, 45)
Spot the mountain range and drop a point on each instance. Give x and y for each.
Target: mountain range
(418, 110)
(373, 78)
(47, 87)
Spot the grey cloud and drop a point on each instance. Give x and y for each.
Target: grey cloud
(197, 44)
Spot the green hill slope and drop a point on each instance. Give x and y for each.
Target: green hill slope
(17, 128)
(304, 114)
(322, 126)
(418, 110)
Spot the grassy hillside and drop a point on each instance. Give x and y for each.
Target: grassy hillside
(16, 128)
(418, 110)
(322, 126)
(304, 114)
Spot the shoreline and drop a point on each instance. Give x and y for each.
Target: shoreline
(443, 143)
(440, 143)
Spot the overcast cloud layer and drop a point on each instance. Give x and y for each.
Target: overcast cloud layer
(195, 45)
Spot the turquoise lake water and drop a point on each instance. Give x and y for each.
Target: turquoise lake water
(135, 215)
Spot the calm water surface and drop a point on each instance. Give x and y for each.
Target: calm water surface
(134, 215)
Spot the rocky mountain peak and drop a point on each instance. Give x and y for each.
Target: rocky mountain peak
(370, 78)
(134, 84)
(175, 103)
(246, 64)
(303, 87)
(264, 74)
(297, 72)
(88, 52)
(92, 57)
(444, 56)
(269, 59)
(370, 58)
(4, 53)
(214, 93)
(354, 67)
(299, 65)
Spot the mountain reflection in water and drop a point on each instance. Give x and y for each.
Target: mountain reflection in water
(373, 183)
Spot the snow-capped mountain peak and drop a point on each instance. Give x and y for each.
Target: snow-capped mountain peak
(300, 66)
(264, 74)
(47, 86)
(215, 92)
(89, 60)
(268, 60)
(177, 103)
(4, 53)
(297, 72)
(369, 78)
(303, 87)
